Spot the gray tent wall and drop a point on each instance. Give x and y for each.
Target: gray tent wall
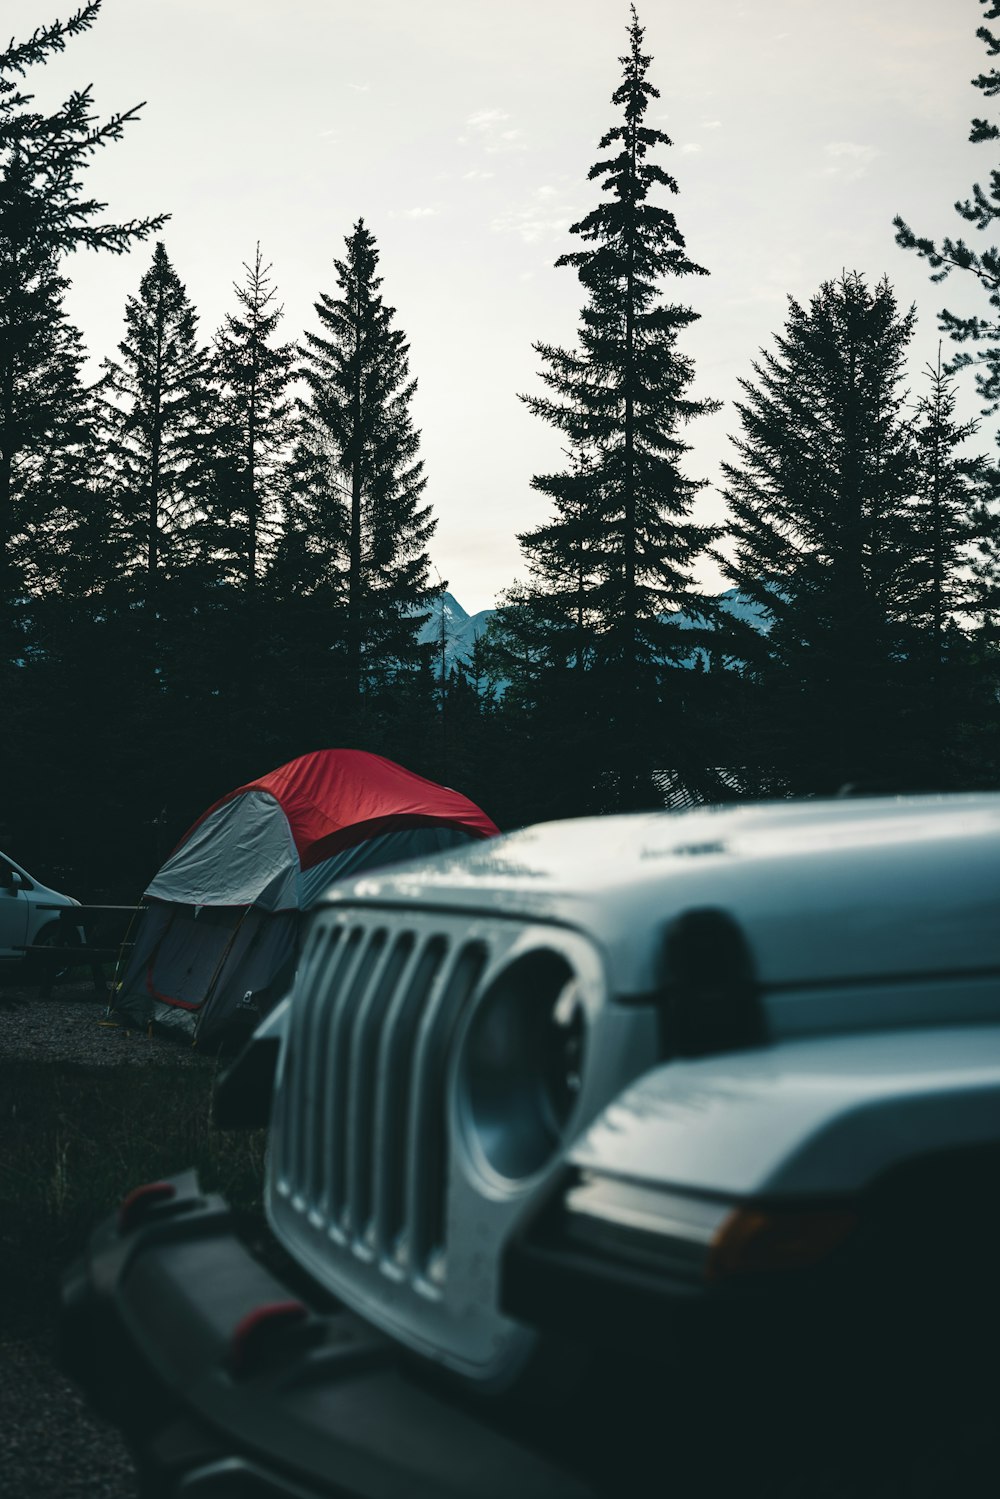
(242, 854)
(184, 956)
(203, 967)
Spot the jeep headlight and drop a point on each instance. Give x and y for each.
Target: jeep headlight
(522, 1064)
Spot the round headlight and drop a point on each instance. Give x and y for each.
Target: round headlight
(522, 1064)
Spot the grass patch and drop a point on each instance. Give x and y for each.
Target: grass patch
(74, 1140)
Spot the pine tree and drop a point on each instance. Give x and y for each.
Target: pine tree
(981, 210)
(52, 458)
(945, 515)
(301, 593)
(823, 529)
(984, 558)
(564, 557)
(948, 524)
(619, 553)
(159, 429)
(43, 215)
(256, 409)
(359, 453)
(307, 559)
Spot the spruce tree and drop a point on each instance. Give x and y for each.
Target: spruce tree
(256, 421)
(945, 516)
(52, 454)
(359, 455)
(824, 532)
(308, 555)
(564, 556)
(159, 423)
(302, 592)
(981, 210)
(984, 561)
(951, 532)
(43, 215)
(618, 555)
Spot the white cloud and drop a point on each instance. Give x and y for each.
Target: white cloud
(484, 119)
(690, 148)
(848, 148)
(477, 175)
(711, 124)
(360, 88)
(531, 229)
(486, 124)
(507, 140)
(541, 219)
(847, 160)
(419, 213)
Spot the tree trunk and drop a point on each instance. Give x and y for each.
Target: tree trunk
(6, 473)
(7, 446)
(155, 445)
(252, 470)
(937, 684)
(354, 576)
(628, 729)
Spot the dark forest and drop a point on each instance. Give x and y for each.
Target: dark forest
(217, 555)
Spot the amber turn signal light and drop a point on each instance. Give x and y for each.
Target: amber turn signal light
(760, 1241)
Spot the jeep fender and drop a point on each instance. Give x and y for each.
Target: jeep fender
(827, 1115)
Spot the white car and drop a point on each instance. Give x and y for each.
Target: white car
(608, 1141)
(29, 911)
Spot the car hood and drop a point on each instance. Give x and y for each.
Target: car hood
(43, 895)
(823, 890)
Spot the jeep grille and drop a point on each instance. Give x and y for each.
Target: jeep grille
(361, 1119)
(380, 1182)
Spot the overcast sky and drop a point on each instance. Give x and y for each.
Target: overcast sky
(462, 131)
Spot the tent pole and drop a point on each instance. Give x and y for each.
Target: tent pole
(139, 910)
(216, 971)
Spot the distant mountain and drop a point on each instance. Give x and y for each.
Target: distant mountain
(738, 607)
(460, 629)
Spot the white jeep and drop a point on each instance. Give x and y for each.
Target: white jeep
(589, 1119)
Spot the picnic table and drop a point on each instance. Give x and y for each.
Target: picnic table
(86, 937)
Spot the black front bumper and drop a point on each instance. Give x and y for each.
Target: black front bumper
(230, 1386)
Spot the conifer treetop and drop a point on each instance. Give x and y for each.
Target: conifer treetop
(981, 210)
(628, 178)
(255, 295)
(364, 478)
(155, 405)
(162, 303)
(42, 156)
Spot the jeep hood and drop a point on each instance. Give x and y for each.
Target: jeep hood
(825, 891)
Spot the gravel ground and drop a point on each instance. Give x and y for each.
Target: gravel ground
(51, 1443)
(52, 1446)
(71, 1027)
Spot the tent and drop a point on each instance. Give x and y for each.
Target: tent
(217, 943)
